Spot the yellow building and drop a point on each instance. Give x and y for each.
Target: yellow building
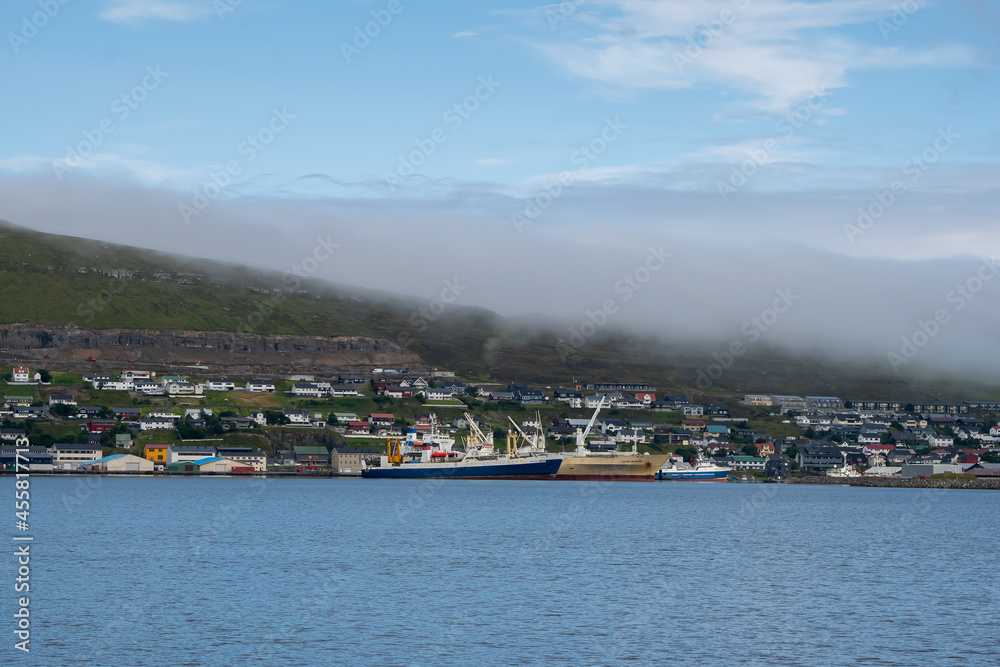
(157, 453)
(757, 400)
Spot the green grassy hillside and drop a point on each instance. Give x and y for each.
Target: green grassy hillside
(56, 280)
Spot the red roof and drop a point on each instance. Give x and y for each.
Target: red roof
(381, 415)
(885, 447)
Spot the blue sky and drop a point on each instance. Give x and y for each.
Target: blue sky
(751, 136)
(561, 69)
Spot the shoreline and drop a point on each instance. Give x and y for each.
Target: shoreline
(988, 484)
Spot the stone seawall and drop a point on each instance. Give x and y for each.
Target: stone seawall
(902, 482)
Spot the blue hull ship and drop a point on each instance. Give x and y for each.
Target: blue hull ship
(529, 468)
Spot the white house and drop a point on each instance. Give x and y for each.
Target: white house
(183, 388)
(148, 387)
(165, 414)
(21, 374)
(631, 435)
(869, 439)
(61, 399)
(136, 375)
(693, 410)
(115, 385)
(260, 386)
(217, 384)
(155, 424)
(344, 390)
(940, 441)
(297, 416)
(434, 394)
(593, 401)
(259, 418)
(309, 390)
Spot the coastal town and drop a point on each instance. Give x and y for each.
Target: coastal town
(144, 421)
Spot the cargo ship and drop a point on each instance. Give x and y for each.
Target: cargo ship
(701, 471)
(427, 458)
(585, 465)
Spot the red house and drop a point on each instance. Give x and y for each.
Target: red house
(358, 427)
(381, 419)
(101, 425)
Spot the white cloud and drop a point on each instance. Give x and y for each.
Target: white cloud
(775, 51)
(131, 11)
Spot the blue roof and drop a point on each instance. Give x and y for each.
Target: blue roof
(105, 459)
(207, 460)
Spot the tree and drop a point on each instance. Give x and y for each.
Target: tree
(275, 417)
(62, 410)
(792, 452)
(45, 375)
(686, 452)
(810, 433)
(749, 450)
(471, 391)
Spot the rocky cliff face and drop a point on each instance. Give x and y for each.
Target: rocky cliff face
(70, 344)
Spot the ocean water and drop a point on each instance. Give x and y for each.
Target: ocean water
(398, 572)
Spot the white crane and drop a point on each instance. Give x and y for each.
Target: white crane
(581, 436)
